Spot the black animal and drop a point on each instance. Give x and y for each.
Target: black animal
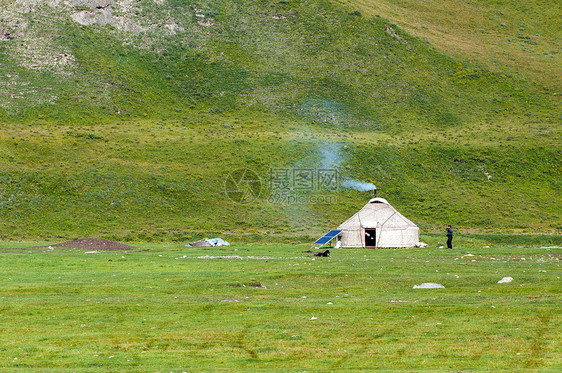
(325, 253)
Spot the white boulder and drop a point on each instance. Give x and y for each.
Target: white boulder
(429, 285)
(505, 280)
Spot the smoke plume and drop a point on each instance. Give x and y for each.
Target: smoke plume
(361, 186)
(331, 155)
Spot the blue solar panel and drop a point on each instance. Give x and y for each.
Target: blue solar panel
(327, 237)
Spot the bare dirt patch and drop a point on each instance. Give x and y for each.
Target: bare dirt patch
(94, 244)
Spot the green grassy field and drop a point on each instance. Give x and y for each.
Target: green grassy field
(169, 308)
(129, 131)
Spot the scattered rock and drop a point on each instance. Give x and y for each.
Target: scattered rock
(220, 257)
(390, 31)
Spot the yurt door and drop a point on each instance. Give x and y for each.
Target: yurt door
(370, 237)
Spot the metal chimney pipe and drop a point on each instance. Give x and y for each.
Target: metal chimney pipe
(375, 191)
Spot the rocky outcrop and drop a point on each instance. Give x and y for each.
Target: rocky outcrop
(107, 12)
(93, 4)
(101, 13)
(101, 17)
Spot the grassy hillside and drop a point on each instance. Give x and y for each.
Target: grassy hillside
(130, 130)
(522, 38)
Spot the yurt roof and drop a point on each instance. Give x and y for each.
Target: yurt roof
(372, 216)
(379, 200)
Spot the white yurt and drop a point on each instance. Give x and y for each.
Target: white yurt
(378, 225)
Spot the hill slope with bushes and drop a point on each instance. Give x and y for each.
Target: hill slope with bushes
(124, 119)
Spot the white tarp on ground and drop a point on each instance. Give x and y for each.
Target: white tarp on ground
(209, 242)
(392, 228)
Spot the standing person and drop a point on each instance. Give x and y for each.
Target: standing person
(449, 237)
